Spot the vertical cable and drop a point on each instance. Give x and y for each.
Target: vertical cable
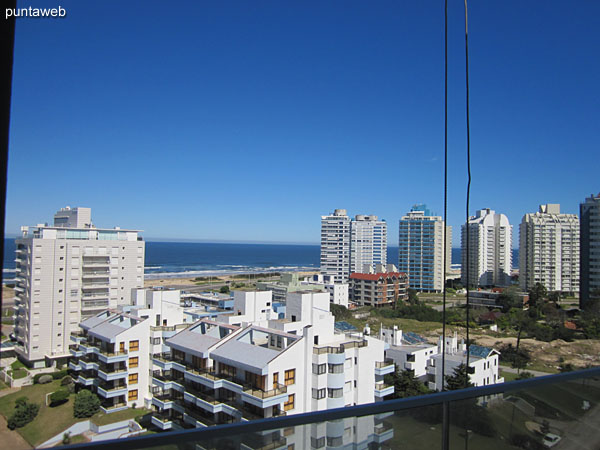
(468, 183)
(445, 241)
(446, 405)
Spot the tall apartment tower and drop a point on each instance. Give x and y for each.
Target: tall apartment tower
(66, 273)
(348, 246)
(589, 284)
(490, 249)
(549, 250)
(421, 249)
(368, 243)
(335, 245)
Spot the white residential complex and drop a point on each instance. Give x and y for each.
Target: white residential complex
(549, 250)
(347, 246)
(490, 249)
(251, 366)
(65, 273)
(111, 351)
(410, 351)
(590, 250)
(421, 249)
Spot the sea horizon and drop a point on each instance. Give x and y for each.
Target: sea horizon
(182, 259)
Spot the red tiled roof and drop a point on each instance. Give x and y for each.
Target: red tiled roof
(375, 276)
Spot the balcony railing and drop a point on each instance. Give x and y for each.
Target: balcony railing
(259, 393)
(519, 414)
(341, 348)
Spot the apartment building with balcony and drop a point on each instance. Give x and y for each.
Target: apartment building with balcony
(490, 250)
(549, 250)
(348, 245)
(335, 245)
(110, 357)
(219, 372)
(589, 213)
(66, 273)
(421, 249)
(381, 287)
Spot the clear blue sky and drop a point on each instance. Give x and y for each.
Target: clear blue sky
(248, 120)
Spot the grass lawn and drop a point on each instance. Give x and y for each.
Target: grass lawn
(104, 419)
(49, 421)
(3, 385)
(508, 376)
(78, 439)
(18, 373)
(17, 365)
(541, 367)
(52, 421)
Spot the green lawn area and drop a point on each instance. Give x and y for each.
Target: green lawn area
(78, 439)
(52, 421)
(17, 374)
(508, 376)
(49, 421)
(104, 419)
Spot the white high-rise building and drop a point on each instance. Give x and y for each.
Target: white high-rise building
(368, 243)
(589, 213)
(490, 249)
(421, 249)
(335, 245)
(549, 250)
(347, 246)
(66, 273)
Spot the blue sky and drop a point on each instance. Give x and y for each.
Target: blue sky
(248, 120)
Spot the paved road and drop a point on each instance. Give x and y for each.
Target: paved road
(583, 434)
(11, 439)
(535, 373)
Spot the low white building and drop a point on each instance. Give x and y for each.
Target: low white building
(338, 292)
(482, 369)
(411, 353)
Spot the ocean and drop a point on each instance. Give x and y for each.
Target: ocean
(192, 259)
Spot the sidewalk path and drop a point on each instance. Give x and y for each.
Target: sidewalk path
(11, 439)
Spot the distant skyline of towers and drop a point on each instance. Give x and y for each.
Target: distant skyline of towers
(421, 249)
(589, 213)
(549, 250)
(348, 245)
(490, 249)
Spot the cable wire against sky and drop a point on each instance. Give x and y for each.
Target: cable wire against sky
(468, 246)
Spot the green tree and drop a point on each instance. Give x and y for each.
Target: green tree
(406, 385)
(510, 298)
(340, 312)
(86, 404)
(224, 289)
(524, 375)
(537, 294)
(413, 298)
(59, 397)
(459, 379)
(24, 413)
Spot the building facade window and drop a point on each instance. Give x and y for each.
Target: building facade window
(289, 404)
(133, 378)
(133, 362)
(132, 395)
(290, 377)
(319, 393)
(134, 346)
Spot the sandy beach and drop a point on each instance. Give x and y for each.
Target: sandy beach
(193, 281)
